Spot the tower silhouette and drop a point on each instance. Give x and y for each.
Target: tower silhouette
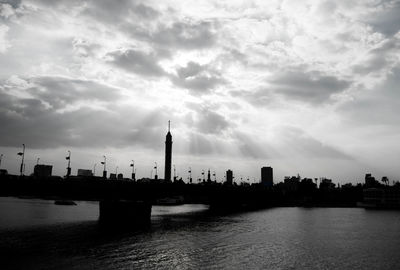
(168, 154)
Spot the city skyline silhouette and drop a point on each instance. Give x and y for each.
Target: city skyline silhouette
(165, 171)
(289, 89)
(209, 134)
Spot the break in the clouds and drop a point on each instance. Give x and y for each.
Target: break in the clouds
(299, 86)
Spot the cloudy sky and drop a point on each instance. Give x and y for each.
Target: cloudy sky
(308, 87)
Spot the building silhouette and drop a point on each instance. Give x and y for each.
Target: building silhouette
(229, 177)
(326, 184)
(291, 183)
(41, 170)
(84, 172)
(267, 177)
(370, 181)
(168, 155)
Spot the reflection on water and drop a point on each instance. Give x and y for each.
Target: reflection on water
(187, 237)
(20, 213)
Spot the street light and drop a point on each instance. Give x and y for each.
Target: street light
(155, 176)
(69, 164)
(190, 175)
(22, 154)
(133, 170)
(104, 167)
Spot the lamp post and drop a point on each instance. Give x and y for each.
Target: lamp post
(69, 164)
(104, 167)
(22, 154)
(190, 175)
(174, 173)
(155, 176)
(133, 170)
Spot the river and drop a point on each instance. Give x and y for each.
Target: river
(36, 234)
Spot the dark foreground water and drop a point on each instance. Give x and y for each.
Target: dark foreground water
(36, 234)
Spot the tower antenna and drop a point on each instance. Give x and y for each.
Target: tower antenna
(169, 125)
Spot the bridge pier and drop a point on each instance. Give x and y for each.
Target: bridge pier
(125, 213)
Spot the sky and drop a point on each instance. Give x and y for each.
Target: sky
(306, 87)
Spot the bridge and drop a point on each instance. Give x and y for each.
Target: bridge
(130, 202)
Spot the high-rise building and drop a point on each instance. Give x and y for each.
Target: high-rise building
(41, 170)
(267, 177)
(168, 154)
(229, 177)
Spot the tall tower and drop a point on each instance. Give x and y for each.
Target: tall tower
(168, 154)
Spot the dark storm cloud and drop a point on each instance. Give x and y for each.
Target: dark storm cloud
(108, 12)
(128, 16)
(138, 62)
(149, 137)
(119, 11)
(60, 91)
(38, 122)
(13, 3)
(387, 19)
(31, 121)
(312, 87)
(199, 78)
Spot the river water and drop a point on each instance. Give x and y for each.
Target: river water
(36, 234)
